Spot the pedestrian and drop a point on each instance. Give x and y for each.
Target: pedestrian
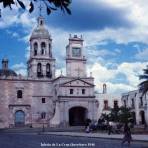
(87, 125)
(127, 135)
(109, 128)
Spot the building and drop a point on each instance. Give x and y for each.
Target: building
(40, 97)
(138, 105)
(106, 101)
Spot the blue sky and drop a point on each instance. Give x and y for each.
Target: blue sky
(115, 34)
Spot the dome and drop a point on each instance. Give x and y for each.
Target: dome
(40, 31)
(7, 72)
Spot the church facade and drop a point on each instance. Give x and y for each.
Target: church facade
(40, 97)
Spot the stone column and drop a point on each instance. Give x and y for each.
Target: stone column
(137, 110)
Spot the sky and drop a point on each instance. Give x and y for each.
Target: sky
(115, 39)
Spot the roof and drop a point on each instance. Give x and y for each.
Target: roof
(40, 31)
(7, 72)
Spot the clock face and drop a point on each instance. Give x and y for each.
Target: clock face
(76, 52)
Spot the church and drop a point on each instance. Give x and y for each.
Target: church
(41, 97)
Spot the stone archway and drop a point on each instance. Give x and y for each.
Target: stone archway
(77, 116)
(142, 115)
(19, 118)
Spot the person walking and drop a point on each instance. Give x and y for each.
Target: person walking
(127, 135)
(87, 125)
(109, 128)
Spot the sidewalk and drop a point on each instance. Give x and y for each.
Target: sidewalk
(142, 138)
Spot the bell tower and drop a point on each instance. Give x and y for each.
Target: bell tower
(41, 63)
(75, 59)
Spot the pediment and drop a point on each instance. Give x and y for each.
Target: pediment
(77, 82)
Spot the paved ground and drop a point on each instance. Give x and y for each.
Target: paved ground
(135, 137)
(15, 140)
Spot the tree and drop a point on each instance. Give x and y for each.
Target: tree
(114, 114)
(125, 115)
(51, 5)
(119, 114)
(143, 86)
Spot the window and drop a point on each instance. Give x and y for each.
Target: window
(133, 103)
(39, 70)
(141, 101)
(43, 46)
(105, 104)
(115, 104)
(50, 51)
(42, 52)
(41, 22)
(35, 48)
(43, 100)
(35, 52)
(19, 94)
(43, 115)
(48, 71)
(39, 67)
(83, 91)
(71, 91)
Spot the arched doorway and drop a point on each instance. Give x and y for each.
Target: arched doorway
(77, 116)
(19, 118)
(142, 115)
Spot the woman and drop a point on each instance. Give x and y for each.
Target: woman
(127, 135)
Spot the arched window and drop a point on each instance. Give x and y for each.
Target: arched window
(19, 94)
(50, 51)
(39, 67)
(39, 70)
(43, 115)
(48, 71)
(41, 23)
(35, 48)
(48, 67)
(43, 46)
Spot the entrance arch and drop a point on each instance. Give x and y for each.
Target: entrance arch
(77, 116)
(19, 118)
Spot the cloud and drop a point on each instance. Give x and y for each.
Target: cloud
(101, 52)
(13, 34)
(90, 15)
(14, 17)
(142, 54)
(20, 69)
(130, 72)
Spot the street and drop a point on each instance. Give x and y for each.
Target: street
(31, 140)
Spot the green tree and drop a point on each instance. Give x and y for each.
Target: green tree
(143, 86)
(51, 5)
(119, 114)
(125, 115)
(114, 114)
